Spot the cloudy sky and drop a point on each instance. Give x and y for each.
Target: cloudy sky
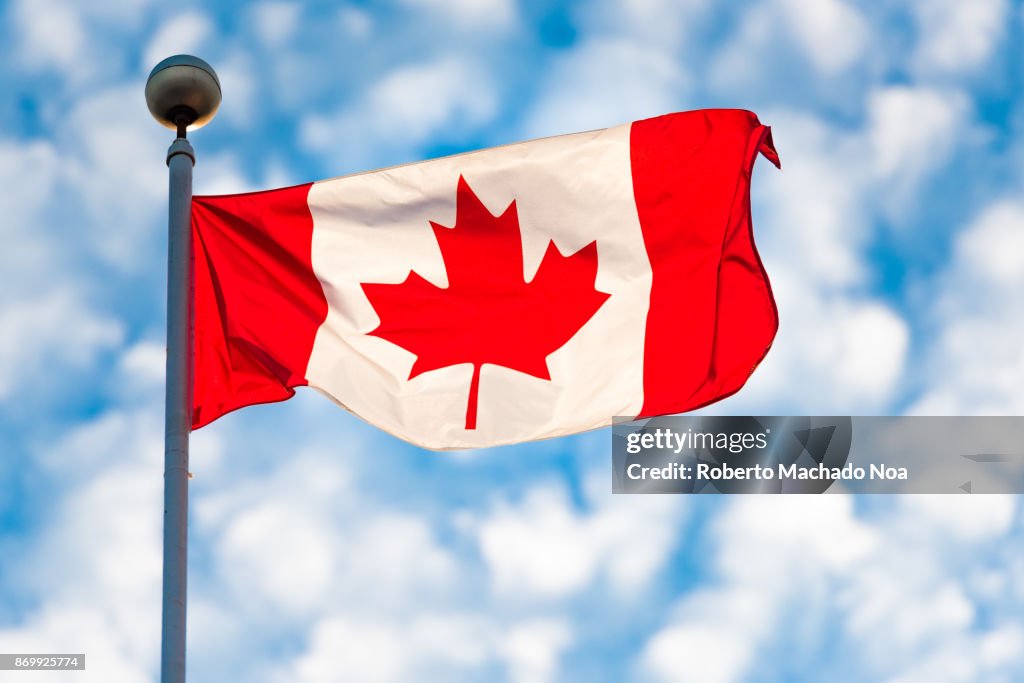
(323, 550)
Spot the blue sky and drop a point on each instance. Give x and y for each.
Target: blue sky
(324, 550)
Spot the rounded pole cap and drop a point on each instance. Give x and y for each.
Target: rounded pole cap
(183, 86)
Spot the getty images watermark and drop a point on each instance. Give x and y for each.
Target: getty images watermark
(705, 454)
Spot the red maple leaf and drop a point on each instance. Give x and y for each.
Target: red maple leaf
(488, 313)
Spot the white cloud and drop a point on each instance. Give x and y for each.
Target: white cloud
(56, 332)
(934, 609)
(87, 447)
(275, 23)
(532, 649)
(114, 172)
(912, 609)
(406, 557)
(364, 652)
(913, 132)
(768, 550)
(832, 33)
(51, 33)
(974, 518)
(417, 101)
(470, 14)
(402, 111)
(788, 531)
(543, 547)
(221, 173)
(697, 654)
(140, 369)
(79, 41)
(773, 38)
(429, 646)
(1002, 647)
(240, 86)
(355, 22)
(832, 353)
(94, 567)
(29, 173)
(991, 251)
(975, 364)
(299, 541)
(605, 82)
(666, 25)
(898, 589)
(71, 629)
(185, 33)
(957, 37)
(278, 554)
(94, 188)
(871, 346)
(27, 170)
(738, 63)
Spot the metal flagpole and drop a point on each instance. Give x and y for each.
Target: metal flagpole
(182, 92)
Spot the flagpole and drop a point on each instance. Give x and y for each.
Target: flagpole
(182, 93)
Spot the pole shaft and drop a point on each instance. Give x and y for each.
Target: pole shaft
(177, 424)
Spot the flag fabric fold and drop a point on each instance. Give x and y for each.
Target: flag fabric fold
(499, 296)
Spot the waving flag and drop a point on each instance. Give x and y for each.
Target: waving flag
(514, 293)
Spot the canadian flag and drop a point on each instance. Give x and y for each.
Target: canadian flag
(510, 294)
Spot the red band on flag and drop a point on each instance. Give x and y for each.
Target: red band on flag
(712, 316)
(257, 302)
